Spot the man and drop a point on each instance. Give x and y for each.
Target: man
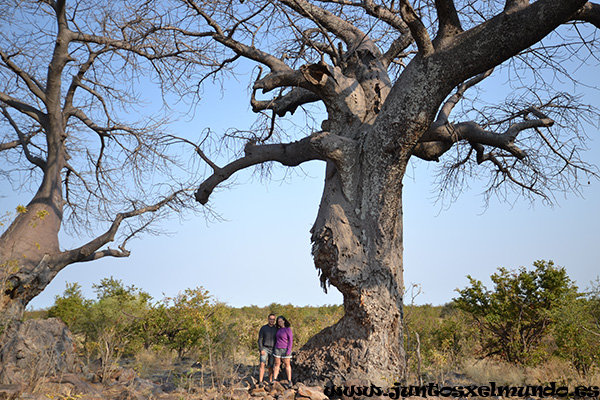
(266, 343)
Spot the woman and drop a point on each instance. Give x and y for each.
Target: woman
(283, 349)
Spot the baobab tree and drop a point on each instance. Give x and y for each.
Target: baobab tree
(73, 130)
(389, 74)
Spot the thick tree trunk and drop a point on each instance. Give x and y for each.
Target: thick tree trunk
(26, 251)
(357, 246)
(29, 244)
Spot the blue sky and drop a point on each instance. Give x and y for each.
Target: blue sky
(261, 253)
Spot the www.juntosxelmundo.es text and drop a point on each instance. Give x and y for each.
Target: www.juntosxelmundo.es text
(492, 390)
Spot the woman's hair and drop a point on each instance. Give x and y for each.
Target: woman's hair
(286, 323)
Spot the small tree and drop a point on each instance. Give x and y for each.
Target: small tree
(517, 314)
(184, 323)
(107, 327)
(70, 307)
(110, 321)
(577, 331)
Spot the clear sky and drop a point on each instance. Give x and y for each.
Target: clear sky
(261, 253)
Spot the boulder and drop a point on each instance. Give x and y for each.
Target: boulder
(312, 393)
(249, 381)
(258, 391)
(276, 389)
(237, 394)
(36, 348)
(289, 394)
(126, 375)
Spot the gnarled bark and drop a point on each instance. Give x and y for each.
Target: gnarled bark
(358, 249)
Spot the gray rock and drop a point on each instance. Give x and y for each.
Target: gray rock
(34, 349)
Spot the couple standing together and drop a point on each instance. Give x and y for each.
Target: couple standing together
(275, 344)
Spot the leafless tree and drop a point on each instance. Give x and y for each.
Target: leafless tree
(74, 131)
(389, 75)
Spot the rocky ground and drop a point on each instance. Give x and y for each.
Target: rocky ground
(128, 386)
(38, 361)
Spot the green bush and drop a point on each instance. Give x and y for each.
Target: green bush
(577, 331)
(518, 313)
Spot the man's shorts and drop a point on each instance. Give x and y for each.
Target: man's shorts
(280, 353)
(267, 359)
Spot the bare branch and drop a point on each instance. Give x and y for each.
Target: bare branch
(286, 103)
(76, 80)
(383, 13)
(239, 48)
(448, 106)
(590, 331)
(417, 29)
(124, 45)
(439, 139)
(35, 87)
(342, 29)
(23, 141)
(289, 154)
(449, 24)
(83, 253)
(24, 108)
(497, 39)
(100, 130)
(106, 253)
(10, 145)
(396, 48)
(568, 162)
(483, 157)
(252, 53)
(322, 48)
(279, 79)
(198, 149)
(590, 12)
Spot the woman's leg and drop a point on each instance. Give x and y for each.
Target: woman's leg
(276, 367)
(288, 369)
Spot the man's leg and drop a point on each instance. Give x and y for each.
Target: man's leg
(261, 372)
(269, 364)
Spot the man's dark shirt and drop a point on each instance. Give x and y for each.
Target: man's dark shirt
(266, 337)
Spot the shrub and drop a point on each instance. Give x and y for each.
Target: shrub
(518, 313)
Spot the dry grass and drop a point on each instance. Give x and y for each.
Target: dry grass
(484, 371)
(150, 362)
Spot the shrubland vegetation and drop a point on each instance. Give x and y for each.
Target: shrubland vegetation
(125, 323)
(533, 326)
